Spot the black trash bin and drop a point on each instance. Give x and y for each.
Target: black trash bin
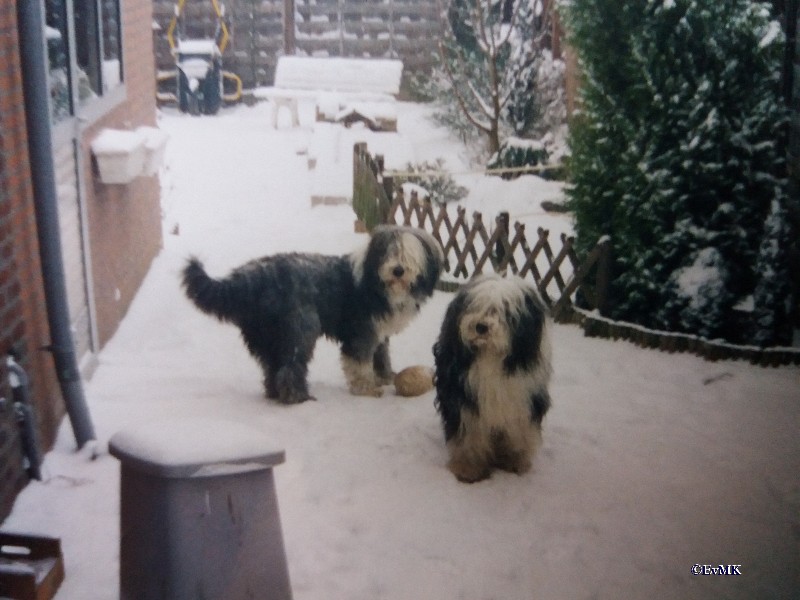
(199, 513)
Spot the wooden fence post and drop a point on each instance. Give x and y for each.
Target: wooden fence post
(359, 186)
(388, 191)
(289, 47)
(503, 220)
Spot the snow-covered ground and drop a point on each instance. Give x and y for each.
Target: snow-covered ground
(652, 463)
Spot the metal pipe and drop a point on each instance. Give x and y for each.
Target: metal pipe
(40, 147)
(23, 409)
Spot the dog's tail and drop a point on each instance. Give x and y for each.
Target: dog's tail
(212, 296)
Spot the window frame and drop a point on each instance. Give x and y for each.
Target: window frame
(98, 103)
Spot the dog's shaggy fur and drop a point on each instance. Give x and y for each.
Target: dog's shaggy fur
(283, 303)
(492, 370)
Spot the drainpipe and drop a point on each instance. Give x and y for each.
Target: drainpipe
(32, 45)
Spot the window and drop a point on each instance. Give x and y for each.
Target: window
(94, 66)
(112, 44)
(57, 35)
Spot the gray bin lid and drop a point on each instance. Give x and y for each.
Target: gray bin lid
(195, 447)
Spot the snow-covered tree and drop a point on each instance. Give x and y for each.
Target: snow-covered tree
(773, 293)
(489, 55)
(679, 152)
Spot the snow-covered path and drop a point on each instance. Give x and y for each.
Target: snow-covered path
(652, 463)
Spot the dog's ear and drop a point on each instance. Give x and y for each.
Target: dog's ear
(452, 359)
(434, 261)
(374, 254)
(432, 247)
(526, 326)
(539, 403)
(379, 230)
(449, 348)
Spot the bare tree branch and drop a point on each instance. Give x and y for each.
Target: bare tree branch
(456, 92)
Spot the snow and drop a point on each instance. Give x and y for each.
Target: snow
(118, 141)
(339, 74)
(651, 462)
(195, 69)
(206, 47)
(191, 442)
(51, 33)
(773, 33)
(703, 277)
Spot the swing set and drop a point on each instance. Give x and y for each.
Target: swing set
(198, 75)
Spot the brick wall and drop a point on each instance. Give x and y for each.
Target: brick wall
(124, 221)
(23, 317)
(124, 229)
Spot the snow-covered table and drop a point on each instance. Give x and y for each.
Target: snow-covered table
(328, 81)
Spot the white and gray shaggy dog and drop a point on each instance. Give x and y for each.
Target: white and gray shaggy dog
(283, 303)
(492, 371)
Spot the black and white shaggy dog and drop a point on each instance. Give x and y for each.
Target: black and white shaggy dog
(492, 370)
(283, 303)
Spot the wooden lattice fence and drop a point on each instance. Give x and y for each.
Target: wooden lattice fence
(470, 249)
(372, 192)
(575, 291)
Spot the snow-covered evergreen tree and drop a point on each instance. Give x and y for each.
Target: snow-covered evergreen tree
(772, 299)
(490, 56)
(679, 152)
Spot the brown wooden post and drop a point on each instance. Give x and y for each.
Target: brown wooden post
(289, 46)
(557, 42)
(358, 151)
(503, 220)
(388, 190)
(382, 201)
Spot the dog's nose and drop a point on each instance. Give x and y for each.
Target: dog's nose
(398, 271)
(481, 328)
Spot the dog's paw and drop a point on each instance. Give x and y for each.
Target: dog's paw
(295, 399)
(366, 390)
(507, 457)
(468, 472)
(518, 463)
(384, 379)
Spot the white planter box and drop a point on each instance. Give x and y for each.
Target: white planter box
(155, 146)
(120, 155)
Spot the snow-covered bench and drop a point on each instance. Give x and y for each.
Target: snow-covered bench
(339, 86)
